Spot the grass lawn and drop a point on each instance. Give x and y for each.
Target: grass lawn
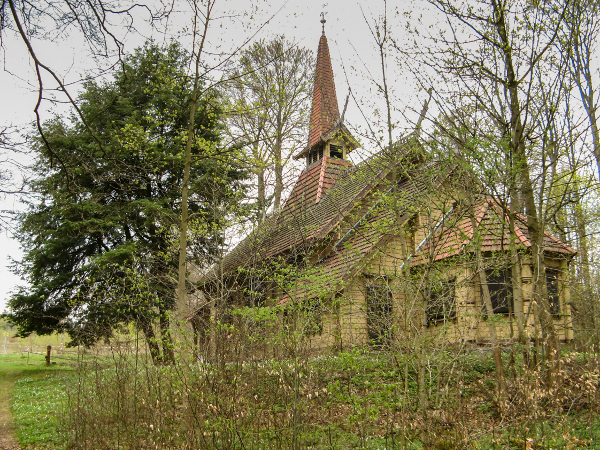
(34, 393)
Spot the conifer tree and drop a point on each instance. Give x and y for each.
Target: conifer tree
(100, 245)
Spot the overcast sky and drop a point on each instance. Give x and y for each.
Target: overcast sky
(354, 58)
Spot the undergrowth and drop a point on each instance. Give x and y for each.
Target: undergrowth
(351, 400)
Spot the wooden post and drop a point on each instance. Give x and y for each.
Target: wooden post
(48, 350)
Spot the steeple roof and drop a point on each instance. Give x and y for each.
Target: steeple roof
(325, 120)
(325, 112)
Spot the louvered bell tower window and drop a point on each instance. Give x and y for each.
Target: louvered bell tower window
(336, 151)
(315, 155)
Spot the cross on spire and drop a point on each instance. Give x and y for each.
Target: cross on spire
(323, 21)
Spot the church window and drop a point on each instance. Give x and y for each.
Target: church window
(336, 151)
(313, 311)
(315, 155)
(441, 305)
(500, 286)
(379, 314)
(553, 291)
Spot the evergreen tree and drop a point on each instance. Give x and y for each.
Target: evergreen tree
(100, 245)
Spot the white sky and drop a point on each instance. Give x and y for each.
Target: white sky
(351, 45)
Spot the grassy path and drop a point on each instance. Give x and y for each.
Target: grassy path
(15, 367)
(7, 428)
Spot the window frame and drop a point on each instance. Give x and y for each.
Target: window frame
(379, 320)
(315, 155)
(554, 297)
(444, 296)
(313, 310)
(502, 279)
(336, 151)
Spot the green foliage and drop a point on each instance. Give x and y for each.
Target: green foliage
(37, 406)
(344, 401)
(350, 400)
(99, 243)
(36, 398)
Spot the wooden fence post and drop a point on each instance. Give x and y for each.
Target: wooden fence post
(48, 350)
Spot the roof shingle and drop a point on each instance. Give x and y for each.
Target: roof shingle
(456, 234)
(325, 110)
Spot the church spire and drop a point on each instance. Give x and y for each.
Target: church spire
(328, 139)
(325, 112)
(327, 135)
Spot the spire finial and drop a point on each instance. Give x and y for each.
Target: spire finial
(323, 20)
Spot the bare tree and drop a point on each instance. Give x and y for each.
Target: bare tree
(270, 97)
(10, 148)
(581, 38)
(497, 55)
(95, 22)
(202, 18)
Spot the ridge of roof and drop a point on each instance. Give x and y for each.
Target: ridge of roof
(346, 261)
(321, 180)
(301, 220)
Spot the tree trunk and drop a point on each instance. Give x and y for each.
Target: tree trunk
(489, 308)
(517, 282)
(166, 338)
(261, 195)
(487, 301)
(183, 227)
(519, 160)
(580, 68)
(146, 326)
(587, 315)
(278, 168)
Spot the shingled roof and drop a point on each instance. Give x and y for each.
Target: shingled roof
(456, 234)
(324, 112)
(325, 122)
(306, 217)
(369, 234)
(314, 182)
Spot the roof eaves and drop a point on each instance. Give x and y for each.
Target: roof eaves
(561, 243)
(553, 238)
